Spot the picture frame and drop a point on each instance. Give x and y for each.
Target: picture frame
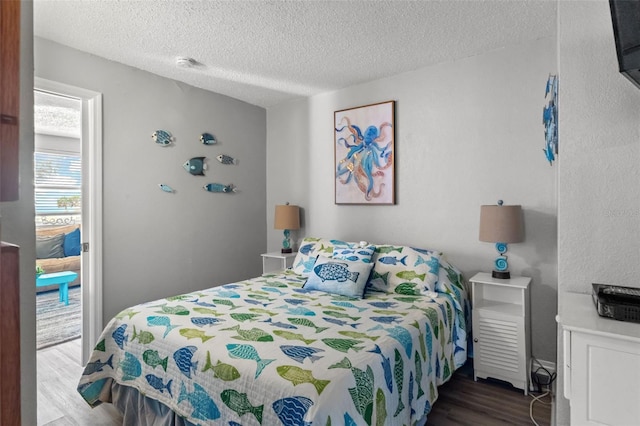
(364, 152)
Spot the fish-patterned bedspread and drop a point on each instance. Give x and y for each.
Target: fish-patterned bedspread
(267, 351)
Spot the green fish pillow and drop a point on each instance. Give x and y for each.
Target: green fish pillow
(404, 270)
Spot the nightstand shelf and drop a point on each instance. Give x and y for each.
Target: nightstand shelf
(501, 329)
(510, 309)
(277, 261)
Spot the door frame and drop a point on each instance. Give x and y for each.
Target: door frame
(91, 149)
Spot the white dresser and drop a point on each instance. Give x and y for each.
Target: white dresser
(601, 364)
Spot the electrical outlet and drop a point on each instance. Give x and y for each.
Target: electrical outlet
(540, 381)
(543, 373)
(543, 378)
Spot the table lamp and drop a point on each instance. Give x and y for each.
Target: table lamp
(287, 217)
(501, 224)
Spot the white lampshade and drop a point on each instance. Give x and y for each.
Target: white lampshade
(501, 224)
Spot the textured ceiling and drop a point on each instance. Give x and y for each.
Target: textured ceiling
(268, 52)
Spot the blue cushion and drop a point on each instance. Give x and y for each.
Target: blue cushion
(49, 247)
(344, 277)
(71, 245)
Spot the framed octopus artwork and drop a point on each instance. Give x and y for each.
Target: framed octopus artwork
(364, 154)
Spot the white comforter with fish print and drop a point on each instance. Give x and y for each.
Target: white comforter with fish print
(266, 351)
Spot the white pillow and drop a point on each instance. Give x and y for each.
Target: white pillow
(307, 253)
(354, 252)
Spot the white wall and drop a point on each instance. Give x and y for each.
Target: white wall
(468, 133)
(158, 244)
(599, 168)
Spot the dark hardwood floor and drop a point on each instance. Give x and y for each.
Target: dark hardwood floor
(461, 401)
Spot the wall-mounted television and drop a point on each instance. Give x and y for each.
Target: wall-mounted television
(625, 15)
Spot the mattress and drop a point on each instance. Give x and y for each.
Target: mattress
(267, 351)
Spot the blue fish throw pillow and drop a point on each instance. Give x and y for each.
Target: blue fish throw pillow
(353, 252)
(404, 270)
(338, 276)
(71, 244)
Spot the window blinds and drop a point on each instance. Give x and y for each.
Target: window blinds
(58, 187)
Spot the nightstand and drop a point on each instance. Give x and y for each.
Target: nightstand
(500, 314)
(276, 261)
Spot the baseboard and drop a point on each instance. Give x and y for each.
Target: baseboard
(550, 366)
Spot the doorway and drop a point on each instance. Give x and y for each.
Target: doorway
(58, 191)
(87, 204)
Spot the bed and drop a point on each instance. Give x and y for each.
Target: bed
(281, 350)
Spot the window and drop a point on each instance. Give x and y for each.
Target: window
(58, 188)
(57, 159)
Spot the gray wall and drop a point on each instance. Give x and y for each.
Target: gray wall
(599, 173)
(468, 133)
(158, 244)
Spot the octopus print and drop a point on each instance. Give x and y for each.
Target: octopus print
(364, 148)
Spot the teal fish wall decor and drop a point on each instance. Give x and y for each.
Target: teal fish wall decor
(208, 139)
(219, 187)
(550, 119)
(165, 188)
(195, 166)
(162, 137)
(225, 159)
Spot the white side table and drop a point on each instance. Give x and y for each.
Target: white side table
(500, 313)
(276, 261)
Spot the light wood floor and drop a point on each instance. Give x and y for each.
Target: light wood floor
(59, 403)
(461, 402)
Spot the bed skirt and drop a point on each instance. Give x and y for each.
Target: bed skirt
(138, 409)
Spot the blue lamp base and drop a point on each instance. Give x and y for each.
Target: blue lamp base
(501, 265)
(286, 243)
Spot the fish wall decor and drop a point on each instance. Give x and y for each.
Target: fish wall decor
(166, 188)
(225, 159)
(195, 166)
(162, 137)
(550, 119)
(219, 187)
(208, 139)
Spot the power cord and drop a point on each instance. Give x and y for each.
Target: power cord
(550, 378)
(539, 399)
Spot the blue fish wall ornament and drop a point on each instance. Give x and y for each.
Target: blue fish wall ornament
(207, 139)
(219, 187)
(225, 159)
(162, 137)
(195, 166)
(550, 119)
(165, 188)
